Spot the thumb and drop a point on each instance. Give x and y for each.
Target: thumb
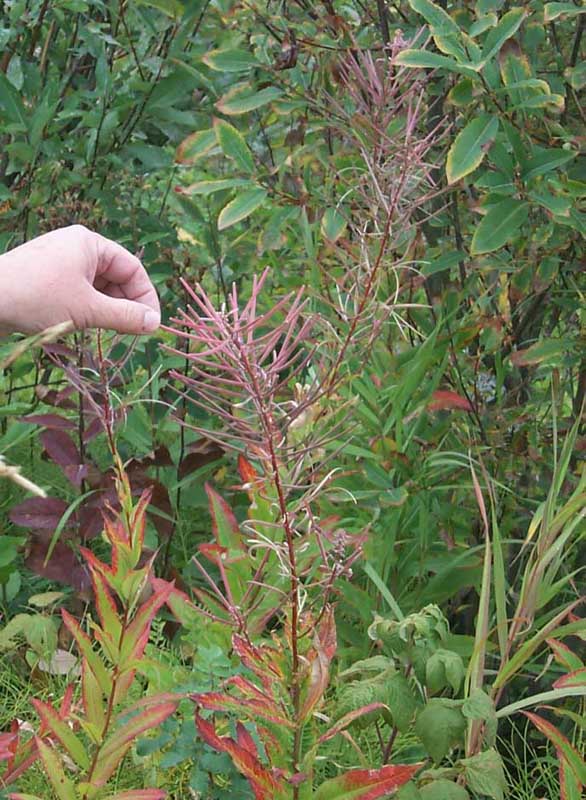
(124, 316)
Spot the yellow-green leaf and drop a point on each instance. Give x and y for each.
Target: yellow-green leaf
(446, 33)
(241, 100)
(470, 146)
(230, 60)
(552, 11)
(240, 207)
(195, 146)
(62, 785)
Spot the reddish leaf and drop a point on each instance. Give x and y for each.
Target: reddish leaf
(245, 740)
(60, 448)
(572, 679)
(564, 655)
(200, 453)
(565, 750)
(444, 400)
(246, 470)
(138, 794)
(63, 566)
(224, 524)
(40, 513)
(263, 783)
(253, 707)
(367, 784)
(53, 421)
(324, 649)
(348, 718)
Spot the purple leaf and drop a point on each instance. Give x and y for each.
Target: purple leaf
(60, 448)
(41, 513)
(53, 421)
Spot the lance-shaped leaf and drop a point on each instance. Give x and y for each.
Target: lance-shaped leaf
(105, 605)
(61, 783)
(86, 649)
(263, 783)
(349, 718)
(470, 146)
(258, 706)
(572, 679)
(58, 728)
(137, 634)
(367, 784)
(565, 750)
(93, 699)
(116, 747)
(138, 794)
(564, 655)
(324, 649)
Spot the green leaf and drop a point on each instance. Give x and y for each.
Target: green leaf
(443, 790)
(172, 8)
(470, 147)
(242, 206)
(62, 785)
(333, 225)
(446, 33)
(552, 11)
(485, 774)
(62, 732)
(576, 76)
(499, 225)
(440, 726)
(233, 144)
(230, 60)
(482, 24)
(507, 26)
(10, 102)
(464, 92)
(546, 161)
(242, 100)
(424, 60)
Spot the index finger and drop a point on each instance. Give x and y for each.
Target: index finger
(118, 267)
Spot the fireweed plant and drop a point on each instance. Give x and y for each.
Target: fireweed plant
(243, 366)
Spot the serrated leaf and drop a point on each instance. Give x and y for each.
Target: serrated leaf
(443, 790)
(485, 774)
(499, 225)
(241, 207)
(440, 728)
(426, 60)
(366, 784)
(470, 147)
(241, 100)
(233, 144)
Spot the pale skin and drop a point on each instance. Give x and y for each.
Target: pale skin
(73, 275)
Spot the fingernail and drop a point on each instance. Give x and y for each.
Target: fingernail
(152, 320)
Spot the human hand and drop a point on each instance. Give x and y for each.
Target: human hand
(75, 275)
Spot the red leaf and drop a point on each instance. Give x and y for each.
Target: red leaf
(565, 750)
(444, 400)
(262, 781)
(367, 784)
(200, 453)
(53, 421)
(324, 649)
(63, 566)
(246, 470)
(245, 740)
(60, 447)
(572, 679)
(40, 513)
(348, 718)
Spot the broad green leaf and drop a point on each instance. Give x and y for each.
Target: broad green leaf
(443, 790)
(546, 161)
(445, 31)
(242, 206)
(499, 225)
(551, 11)
(10, 102)
(333, 225)
(233, 144)
(464, 92)
(425, 60)
(485, 774)
(440, 726)
(45, 599)
(470, 147)
(507, 26)
(230, 60)
(172, 8)
(242, 100)
(210, 187)
(195, 146)
(366, 784)
(61, 783)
